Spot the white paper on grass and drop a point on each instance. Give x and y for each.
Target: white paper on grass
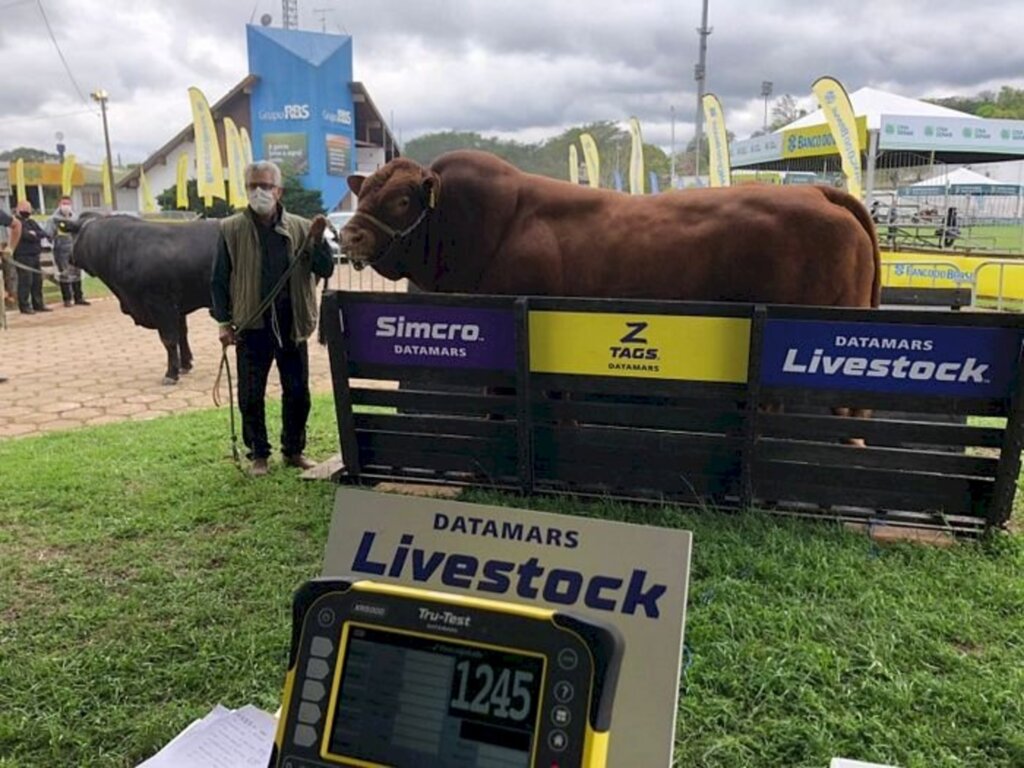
(224, 738)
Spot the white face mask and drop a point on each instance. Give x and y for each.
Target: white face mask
(262, 201)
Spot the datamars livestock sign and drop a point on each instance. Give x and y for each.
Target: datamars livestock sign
(632, 576)
(890, 357)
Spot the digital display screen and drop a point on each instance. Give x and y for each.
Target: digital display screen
(410, 700)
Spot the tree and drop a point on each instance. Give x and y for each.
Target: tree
(29, 155)
(168, 201)
(296, 199)
(686, 161)
(1007, 104)
(550, 157)
(784, 112)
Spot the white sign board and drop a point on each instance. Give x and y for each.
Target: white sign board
(760, 149)
(632, 576)
(951, 134)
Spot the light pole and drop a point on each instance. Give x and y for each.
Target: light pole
(672, 155)
(766, 91)
(101, 96)
(700, 74)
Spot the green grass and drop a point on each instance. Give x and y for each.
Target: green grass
(995, 237)
(144, 579)
(92, 288)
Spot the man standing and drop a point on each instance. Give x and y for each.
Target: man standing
(13, 227)
(58, 229)
(30, 279)
(257, 248)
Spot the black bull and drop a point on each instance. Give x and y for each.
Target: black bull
(159, 272)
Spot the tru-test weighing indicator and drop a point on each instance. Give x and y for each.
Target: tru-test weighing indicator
(381, 675)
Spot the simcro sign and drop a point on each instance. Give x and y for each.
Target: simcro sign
(634, 577)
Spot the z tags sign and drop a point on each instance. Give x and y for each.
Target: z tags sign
(632, 576)
(883, 357)
(433, 336)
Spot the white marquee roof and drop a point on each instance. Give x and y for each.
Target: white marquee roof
(872, 104)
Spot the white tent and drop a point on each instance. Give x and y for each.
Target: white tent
(970, 192)
(959, 176)
(871, 103)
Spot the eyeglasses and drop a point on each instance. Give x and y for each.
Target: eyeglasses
(269, 186)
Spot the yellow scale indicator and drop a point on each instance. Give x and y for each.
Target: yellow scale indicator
(381, 675)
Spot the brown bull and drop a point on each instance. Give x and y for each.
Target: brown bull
(472, 223)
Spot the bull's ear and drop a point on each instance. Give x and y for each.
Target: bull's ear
(355, 183)
(431, 188)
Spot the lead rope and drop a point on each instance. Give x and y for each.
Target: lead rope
(225, 363)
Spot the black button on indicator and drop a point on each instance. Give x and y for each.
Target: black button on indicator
(564, 691)
(558, 741)
(567, 659)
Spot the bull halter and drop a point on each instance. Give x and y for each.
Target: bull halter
(396, 235)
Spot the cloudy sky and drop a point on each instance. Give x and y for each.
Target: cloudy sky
(525, 69)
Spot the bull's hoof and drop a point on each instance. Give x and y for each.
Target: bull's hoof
(186, 369)
(167, 381)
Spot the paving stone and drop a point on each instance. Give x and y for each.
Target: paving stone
(15, 430)
(93, 365)
(57, 407)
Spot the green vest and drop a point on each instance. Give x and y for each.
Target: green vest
(244, 250)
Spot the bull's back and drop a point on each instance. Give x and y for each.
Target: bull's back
(153, 269)
(789, 245)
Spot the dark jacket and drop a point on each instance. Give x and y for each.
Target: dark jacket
(31, 243)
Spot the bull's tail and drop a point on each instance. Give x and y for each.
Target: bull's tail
(856, 207)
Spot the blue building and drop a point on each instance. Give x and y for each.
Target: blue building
(301, 108)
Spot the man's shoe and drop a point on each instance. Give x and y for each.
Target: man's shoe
(259, 468)
(299, 461)
(67, 303)
(43, 309)
(27, 311)
(82, 302)
(2, 378)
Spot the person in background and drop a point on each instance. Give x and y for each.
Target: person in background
(13, 227)
(68, 275)
(10, 233)
(256, 247)
(30, 280)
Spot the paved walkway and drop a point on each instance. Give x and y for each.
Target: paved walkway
(92, 365)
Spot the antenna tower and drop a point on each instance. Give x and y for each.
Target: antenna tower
(290, 14)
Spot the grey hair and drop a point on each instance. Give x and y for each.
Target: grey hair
(262, 166)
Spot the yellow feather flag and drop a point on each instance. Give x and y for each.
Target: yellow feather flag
(108, 195)
(209, 169)
(718, 141)
(181, 181)
(574, 165)
(66, 173)
(592, 158)
(148, 203)
(19, 179)
(246, 145)
(835, 103)
(236, 165)
(636, 159)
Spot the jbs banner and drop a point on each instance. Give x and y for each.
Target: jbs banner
(643, 346)
(431, 336)
(889, 357)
